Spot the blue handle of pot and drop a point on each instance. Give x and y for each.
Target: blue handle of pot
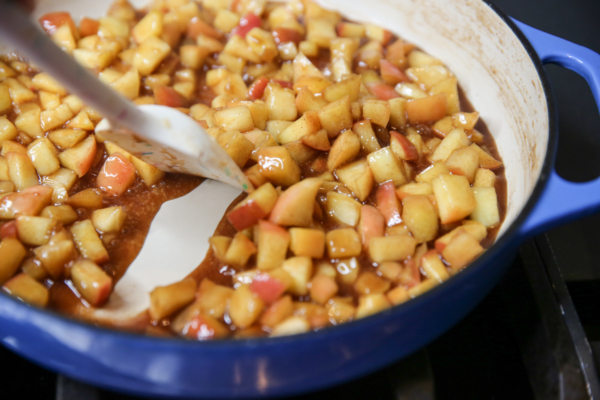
(563, 201)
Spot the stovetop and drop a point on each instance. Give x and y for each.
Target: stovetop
(535, 336)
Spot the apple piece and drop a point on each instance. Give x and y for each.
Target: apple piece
(55, 256)
(43, 156)
(474, 228)
(485, 159)
(426, 109)
(486, 210)
(167, 96)
(398, 295)
(63, 213)
(6, 201)
(366, 136)
(87, 198)
(377, 111)
(462, 249)
(268, 287)
(212, 299)
(410, 276)
(55, 117)
(291, 326)
(484, 178)
(79, 158)
(8, 229)
(12, 254)
(277, 165)
(88, 242)
(464, 161)
(66, 138)
(317, 141)
(465, 120)
(420, 217)
(273, 242)
(109, 220)
(422, 287)
(357, 177)
(117, 175)
(433, 266)
(307, 242)
(32, 200)
(402, 147)
(277, 312)
(390, 270)
(412, 189)
(371, 304)
(166, 300)
(387, 204)
(256, 206)
(12, 146)
(342, 208)
(239, 251)
(433, 171)
(391, 248)
(295, 205)
(35, 231)
(257, 89)
(382, 91)
(336, 117)
(322, 288)
(300, 269)
(88, 26)
(204, 327)
(150, 174)
(369, 283)
(219, 246)
(245, 307)
(345, 148)
(347, 86)
(349, 29)
(456, 139)
(308, 124)
(7, 130)
(372, 224)
(21, 170)
(392, 74)
(27, 289)
(300, 153)
(342, 243)
(454, 197)
(385, 166)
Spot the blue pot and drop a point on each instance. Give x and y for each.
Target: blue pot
(178, 368)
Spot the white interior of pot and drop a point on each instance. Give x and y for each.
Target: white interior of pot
(493, 69)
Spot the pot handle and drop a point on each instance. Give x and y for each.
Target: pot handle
(563, 201)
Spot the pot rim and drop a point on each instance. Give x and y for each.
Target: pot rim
(510, 237)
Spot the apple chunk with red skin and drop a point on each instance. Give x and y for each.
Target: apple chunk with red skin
(372, 224)
(79, 158)
(387, 203)
(461, 250)
(31, 201)
(256, 206)
(91, 282)
(454, 197)
(117, 174)
(402, 147)
(267, 287)
(295, 206)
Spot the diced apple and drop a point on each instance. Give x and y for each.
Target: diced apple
(167, 96)
(426, 109)
(371, 304)
(213, 299)
(350, 86)
(411, 189)
(166, 300)
(387, 204)
(486, 210)
(369, 283)
(149, 174)
(21, 170)
(8, 229)
(402, 147)
(117, 175)
(322, 288)
(484, 178)
(485, 159)
(270, 286)
(300, 269)
(421, 217)
(88, 242)
(63, 213)
(257, 205)
(277, 312)
(277, 165)
(366, 136)
(35, 231)
(456, 139)
(465, 120)
(12, 254)
(66, 138)
(336, 117)
(55, 256)
(372, 224)
(385, 166)
(55, 117)
(411, 276)
(433, 266)
(291, 326)
(429, 75)
(273, 242)
(150, 54)
(219, 246)
(342, 243)
(398, 295)
(307, 242)
(343, 208)
(79, 158)
(429, 174)
(391, 248)
(463, 161)
(317, 141)
(28, 290)
(239, 251)
(204, 327)
(109, 220)
(307, 101)
(345, 148)
(43, 156)
(454, 197)
(87, 198)
(461, 250)
(245, 307)
(295, 205)
(308, 124)
(357, 177)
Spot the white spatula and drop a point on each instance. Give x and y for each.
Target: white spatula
(164, 137)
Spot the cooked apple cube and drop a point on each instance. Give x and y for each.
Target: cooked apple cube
(486, 210)
(236, 145)
(281, 103)
(474, 228)
(28, 290)
(342, 243)
(212, 298)
(204, 327)
(347, 270)
(150, 25)
(317, 141)
(35, 231)
(44, 81)
(219, 246)
(426, 109)
(18, 93)
(336, 117)
(308, 124)
(245, 307)
(149, 174)
(21, 170)
(88, 242)
(465, 120)
(55, 256)
(411, 189)
(63, 213)
(463, 161)
(128, 84)
(7, 130)
(87, 198)
(79, 158)
(398, 295)
(343, 208)
(117, 174)
(273, 242)
(43, 156)
(32, 200)
(454, 197)
(239, 251)
(277, 312)
(345, 148)
(371, 304)
(372, 224)
(484, 178)
(391, 248)
(167, 300)
(307, 242)
(402, 147)
(433, 266)
(307, 101)
(277, 165)
(300, 269)
(322, 288)
(34, 269)
(6, 186)
(456, 139)
(421, 217)
(150, 54)
(55, 117)
(377, 111)
(295, 206)
(66, 138)
(349, 86)
(12, 254)
(369, 283)
(290, 326)
(366, 136)
(485, 159)
(12, 146)
(427, 176)
(461, 250)
(385, 166)
(110, 219)
(387, 204)
(29, 122)
(234, 119)
(357, 177)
